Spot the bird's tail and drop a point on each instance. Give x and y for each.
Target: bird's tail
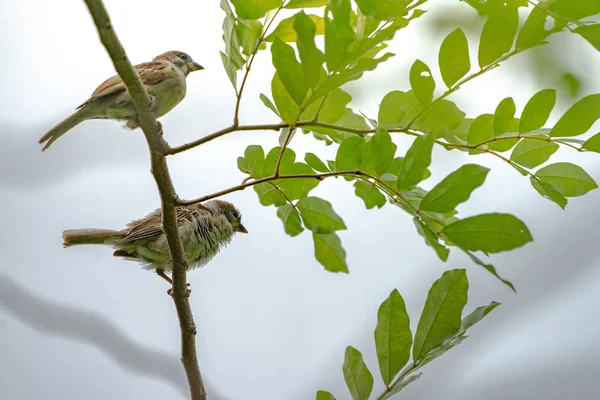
(74, 237)
(69, 123)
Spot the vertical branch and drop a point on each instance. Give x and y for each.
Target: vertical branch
(160, 171)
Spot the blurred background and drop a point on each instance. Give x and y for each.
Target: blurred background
(272, 324)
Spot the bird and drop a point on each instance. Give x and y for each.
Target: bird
(164, 78)
(205, 228)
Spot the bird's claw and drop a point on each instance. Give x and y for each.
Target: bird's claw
(187, 291)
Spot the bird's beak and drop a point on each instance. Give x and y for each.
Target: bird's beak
(194, 66)
(241, 229)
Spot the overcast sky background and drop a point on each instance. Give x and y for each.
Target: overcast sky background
(272, 324)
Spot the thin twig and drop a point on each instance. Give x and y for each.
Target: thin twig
(153, 133)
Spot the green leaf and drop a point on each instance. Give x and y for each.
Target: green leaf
(315, 162)
(291, 220)
(431, 239)
(285, 29)
(549, 192)
(334, 106)
(418, 158)
(422, 82)
(287, 162)
(397, 388)
(310, 56)
(393, 337)
(230, 37)
(318, 215)
(570, 180)
(537, 110)
(456, 188)
(248, 32)
(350, 153)
(383, 10)
(534, 30)
(439, 118)
(498, 32)
(356, 374)
(306, 3)
(269, 195)
(591, 33)
(339, 34)
(329, 252)
(441, 314)
(289, 70)
(490, 268)
(477, 315)
(481, 129)
(592, 144)
(269, 104)
(323, 395)
(254, 9)
(382, 151)
(392, 109)
(490, 233)
(532, 152)
(575, 9)
(230, 69)
(454, 57)
(579, 118)
(253, 161)
(300, 187)
(370, 194)
(287, 107)
(503, 117)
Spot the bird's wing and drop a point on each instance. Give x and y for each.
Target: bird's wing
(150, 226)
(150, 73)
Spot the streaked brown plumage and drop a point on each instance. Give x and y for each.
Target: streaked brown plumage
(164, 79)
(204, 229)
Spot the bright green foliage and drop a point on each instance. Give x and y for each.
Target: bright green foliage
(416, 162)
(382, 151)
(454, 57)
(248, 33)
(579, 118)
(392, 336)
(350, 154)
(392, 109)
(253, 9)
(592, 144)
(431, 239)
(537, 110)
(574, 9)
(315, 162)
(481, 129)
(534, 30)
(591, 33)
(323, 395)
(306, 3)
(441, 315)
(569, 179)
(291, 219)
(549, 192)
(358, 378)
(289, 70)
(499, 31)
(422, 82)
(286, 106)
(286, 32)
(370, 194)
(339, 34)
(490, 233)
(310, 56)
(503, 117)
(318, 215)
(456, 188)
(383, 10)
(329, 252)
(531, 152)
(439, 118)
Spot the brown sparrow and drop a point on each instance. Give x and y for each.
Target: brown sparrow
(204, 229)
(164, 79)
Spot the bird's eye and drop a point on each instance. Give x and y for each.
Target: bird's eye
(183, 56)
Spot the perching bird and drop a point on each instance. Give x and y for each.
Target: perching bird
(204, 230)
(164, 79)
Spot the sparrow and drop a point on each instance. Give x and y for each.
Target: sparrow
(204, 230)
(163, 78)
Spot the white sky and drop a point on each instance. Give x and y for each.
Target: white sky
(272, 323)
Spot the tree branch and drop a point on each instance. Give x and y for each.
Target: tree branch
(158, 149)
